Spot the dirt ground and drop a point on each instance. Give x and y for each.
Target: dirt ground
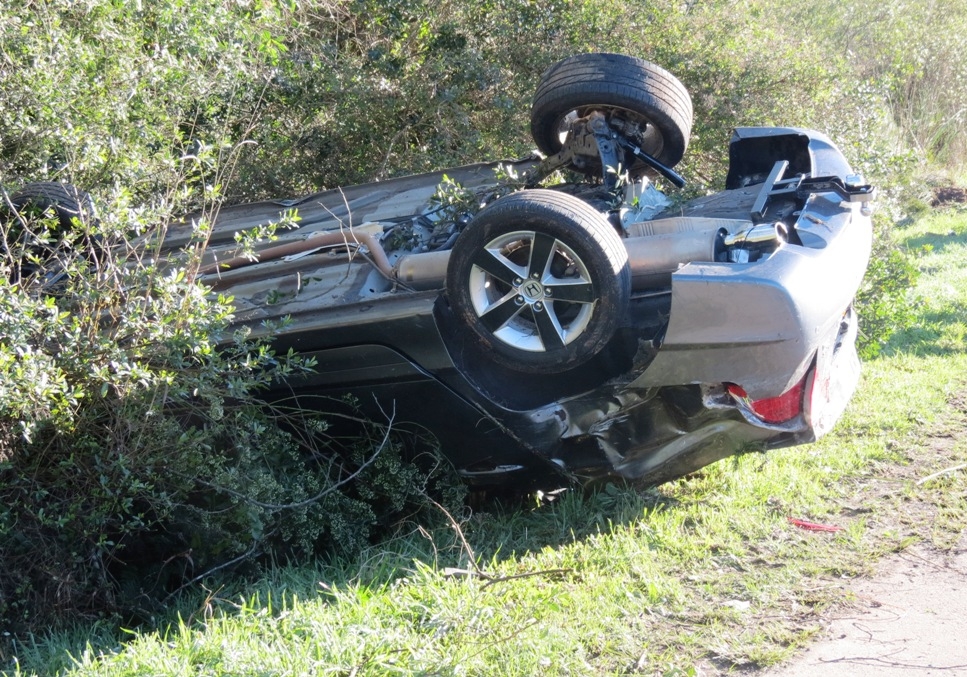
(909, 618)
(943, 195)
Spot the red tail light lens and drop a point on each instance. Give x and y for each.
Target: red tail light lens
(773, 409)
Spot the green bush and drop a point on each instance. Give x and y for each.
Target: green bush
(885, 301)
(135, 452)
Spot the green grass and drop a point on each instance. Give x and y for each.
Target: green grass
(705, 571)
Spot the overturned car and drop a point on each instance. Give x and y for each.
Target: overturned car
(576, 329)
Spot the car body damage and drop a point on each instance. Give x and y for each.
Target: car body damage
(580, 331)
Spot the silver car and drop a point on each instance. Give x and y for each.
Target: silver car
(558, 318)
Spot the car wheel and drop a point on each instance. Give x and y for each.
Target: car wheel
(67, 202)
(541, 279)
(70, 205)
(645, 103)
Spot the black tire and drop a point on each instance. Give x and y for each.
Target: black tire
(67, 201)
(643, 101)
(544, 313)
(73, 208)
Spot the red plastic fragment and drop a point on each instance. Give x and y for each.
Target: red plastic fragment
(812, 526)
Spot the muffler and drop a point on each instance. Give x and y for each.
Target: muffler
(656, 249)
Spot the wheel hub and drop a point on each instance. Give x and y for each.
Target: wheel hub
(532, 292)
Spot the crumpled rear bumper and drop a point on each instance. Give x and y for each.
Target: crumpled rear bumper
(759, 324)
(655, 434)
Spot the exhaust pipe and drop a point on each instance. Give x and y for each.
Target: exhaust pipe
(654, 258)
(768, 234)
(656, 249)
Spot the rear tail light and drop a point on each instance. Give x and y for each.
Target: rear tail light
(773, 409)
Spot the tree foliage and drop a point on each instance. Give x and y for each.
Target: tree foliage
(302, 96)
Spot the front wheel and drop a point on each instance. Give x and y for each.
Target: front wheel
(44, 221)
(540, 279)
(66, 201)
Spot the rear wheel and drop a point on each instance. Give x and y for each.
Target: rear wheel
(640, 100)
(540, 279)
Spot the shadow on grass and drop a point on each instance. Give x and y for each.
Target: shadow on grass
(514, 527)
(936, 334)
(936, 242)
(497, 529)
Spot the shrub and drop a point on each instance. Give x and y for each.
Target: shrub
(135, 452)
(885, 301)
